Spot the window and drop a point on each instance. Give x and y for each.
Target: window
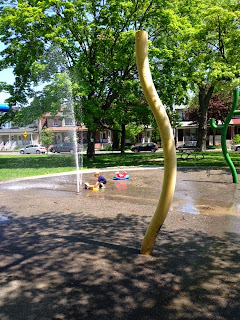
(7, 125)
(55, 122)
(68, 122)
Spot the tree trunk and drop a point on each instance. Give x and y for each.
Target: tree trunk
(91, 144)
(123, 138)
(204, 96)
(115, 140)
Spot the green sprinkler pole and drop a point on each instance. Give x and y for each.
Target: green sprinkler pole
(224, 129)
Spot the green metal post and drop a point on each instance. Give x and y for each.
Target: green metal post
(224, 129)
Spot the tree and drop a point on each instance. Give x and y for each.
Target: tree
(96, 39)
(132, 130)
(47, 137)
(236, 139)
(219, 107)
(197, 50)
(93, 41)
(207, 50)
(129, 110)
(49, 99)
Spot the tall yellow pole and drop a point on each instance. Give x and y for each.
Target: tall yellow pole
(170, 163)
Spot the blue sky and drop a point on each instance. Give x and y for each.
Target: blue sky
(6, 76)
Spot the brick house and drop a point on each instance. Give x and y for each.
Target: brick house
(63, 126)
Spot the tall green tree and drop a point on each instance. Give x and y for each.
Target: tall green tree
(203, 50)
(94, 38)
(94, 42)
(130, 109)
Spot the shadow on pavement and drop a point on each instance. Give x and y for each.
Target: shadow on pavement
(78, 266)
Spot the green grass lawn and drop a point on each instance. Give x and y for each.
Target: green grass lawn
(17, 166)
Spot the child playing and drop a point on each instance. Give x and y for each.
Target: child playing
(101, 180)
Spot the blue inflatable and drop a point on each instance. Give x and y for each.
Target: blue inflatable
(121, 176)
(4, 108)
(125, 178)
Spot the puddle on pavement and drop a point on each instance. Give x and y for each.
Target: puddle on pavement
(3, 218)
(32, 186)
(206, 207)
(193, 196)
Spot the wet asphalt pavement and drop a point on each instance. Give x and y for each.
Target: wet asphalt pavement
(69, 255)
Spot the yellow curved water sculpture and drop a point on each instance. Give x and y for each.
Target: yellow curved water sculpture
(170, 163)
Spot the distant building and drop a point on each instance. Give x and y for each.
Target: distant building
(12, 136)
(62, 125)
(187, 131)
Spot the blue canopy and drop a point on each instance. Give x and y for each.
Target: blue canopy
(4, 108)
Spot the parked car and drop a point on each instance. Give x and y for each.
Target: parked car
(235, 147)
(148, 146)
(33, 148)
(188, 145)
(64, 147)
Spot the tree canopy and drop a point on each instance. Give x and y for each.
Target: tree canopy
(192, 45)
(92, 40)
(206, 54)
(219, 107)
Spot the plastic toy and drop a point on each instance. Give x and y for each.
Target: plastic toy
(92, 187)
(4, 108)
(121, 176)
(88, 186)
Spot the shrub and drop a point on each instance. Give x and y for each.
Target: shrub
(214, 147)
(236, 139)
(108, 147)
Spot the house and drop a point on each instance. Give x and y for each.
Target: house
(12, 136)
(63, 125)
(187, 131)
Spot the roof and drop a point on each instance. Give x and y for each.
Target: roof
(187, 124)
(58, 114)
(191, 124)
(235, 121)
(67, 128)
(5, 131)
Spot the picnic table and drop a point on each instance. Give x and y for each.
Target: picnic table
(191, 154)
